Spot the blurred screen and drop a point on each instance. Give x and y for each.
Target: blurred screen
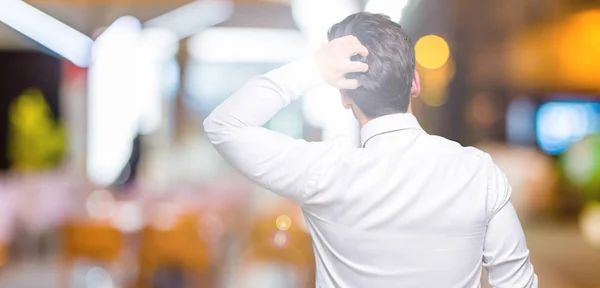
(562, 123)
(520, 122)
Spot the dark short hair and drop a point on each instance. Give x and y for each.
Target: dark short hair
(385, 88)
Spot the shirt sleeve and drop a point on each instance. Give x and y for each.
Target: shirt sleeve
(275, 161)
(505, 253)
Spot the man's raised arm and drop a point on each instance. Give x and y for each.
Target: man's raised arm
(275, 161)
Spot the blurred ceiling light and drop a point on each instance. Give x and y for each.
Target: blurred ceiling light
(432, 51)
(124, 93)
(247, 45)
(158, 43)
(316, 105)
(156, 47)
(120, 26)
(392, 8)
(113, 116)
(194, 17)
(315, 17)
(46, 30)
(322, 107)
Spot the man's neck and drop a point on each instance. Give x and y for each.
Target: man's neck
(363, 120)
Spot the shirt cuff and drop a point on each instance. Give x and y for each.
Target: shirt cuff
(298, 77)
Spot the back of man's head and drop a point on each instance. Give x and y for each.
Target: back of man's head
(385, 88)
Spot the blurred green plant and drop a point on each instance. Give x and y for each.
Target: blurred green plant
(581, 166)
(36, 140)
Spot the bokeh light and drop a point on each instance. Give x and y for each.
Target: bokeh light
(280, 239)
(432, 51)
(283, 222)
(128, 217)
(165, 216)
(434, 83)
(100, 205)
(482, 110)
(98, 277)
(589, 223)
(557, 55)
(578, 50)
(211, 227)
(581, 165)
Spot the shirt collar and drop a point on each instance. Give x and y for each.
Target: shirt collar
(387, 124)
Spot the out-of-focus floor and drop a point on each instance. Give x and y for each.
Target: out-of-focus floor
(560, 256)
(563, 258)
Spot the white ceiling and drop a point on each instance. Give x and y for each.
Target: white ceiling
(90, 18)
(85, 18)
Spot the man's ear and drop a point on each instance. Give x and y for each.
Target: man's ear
(347, 102)
(415, 89)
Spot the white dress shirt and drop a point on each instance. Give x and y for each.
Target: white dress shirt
(407, 209)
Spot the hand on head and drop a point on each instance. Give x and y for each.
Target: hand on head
(334, 62)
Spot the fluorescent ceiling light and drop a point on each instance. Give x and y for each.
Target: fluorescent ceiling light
(124, 23)
(247, 45)
(315, 17)
(321, 15)
(392, 8)
(194, 17)
(113, 104)
(46, 30)
(124, 93)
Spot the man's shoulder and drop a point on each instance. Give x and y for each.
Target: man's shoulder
(441, 145)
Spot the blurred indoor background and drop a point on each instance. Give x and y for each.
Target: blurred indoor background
(106, 178)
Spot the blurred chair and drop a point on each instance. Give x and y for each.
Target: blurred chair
(179, 246)
(278, 238)
(3, 254)
(96, 241)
